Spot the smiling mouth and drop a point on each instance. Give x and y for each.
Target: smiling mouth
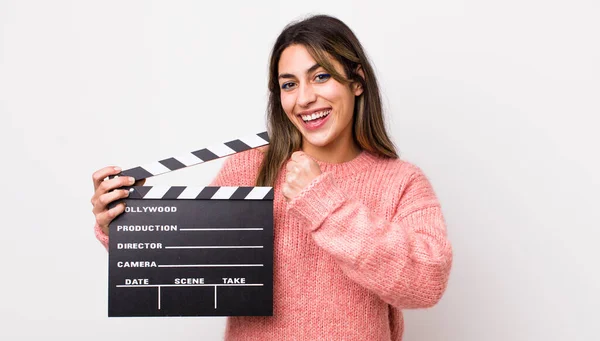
(316, 115)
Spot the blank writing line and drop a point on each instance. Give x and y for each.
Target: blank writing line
(208, 265)
(223, 229)
(214, 247)
(187, 285)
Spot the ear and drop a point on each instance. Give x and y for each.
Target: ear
(357, 88)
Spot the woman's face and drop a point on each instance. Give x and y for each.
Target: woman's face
(318, 105)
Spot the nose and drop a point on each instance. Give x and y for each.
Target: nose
(306, 95)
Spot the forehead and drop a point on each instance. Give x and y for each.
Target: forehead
(295, 59)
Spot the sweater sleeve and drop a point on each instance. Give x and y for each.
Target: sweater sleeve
(405, 261)
(237, 170)
(101, 236)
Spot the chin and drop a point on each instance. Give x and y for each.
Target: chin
(318, 142)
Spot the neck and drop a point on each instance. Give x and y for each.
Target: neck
(337, 152)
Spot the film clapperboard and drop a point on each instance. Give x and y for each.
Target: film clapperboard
(192, 251)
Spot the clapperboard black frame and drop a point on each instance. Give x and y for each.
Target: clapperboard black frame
(193, 251)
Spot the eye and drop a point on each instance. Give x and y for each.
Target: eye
(287, 85)
(322, 77)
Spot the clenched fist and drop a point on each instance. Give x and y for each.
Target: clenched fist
(301, 170)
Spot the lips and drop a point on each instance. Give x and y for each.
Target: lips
(316, 123)
(316, 115)
(312, 111)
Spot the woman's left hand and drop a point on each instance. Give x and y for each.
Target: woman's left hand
(301, 171)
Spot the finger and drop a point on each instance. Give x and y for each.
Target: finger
(297, 155)
(104, 218)
(101, 174)
(106, 198)
(140, 182)
(284, 191)
(304, 160)
(113, 183)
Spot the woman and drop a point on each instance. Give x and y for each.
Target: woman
(359, 233)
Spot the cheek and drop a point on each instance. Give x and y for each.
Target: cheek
(334, 93)
(287, 103)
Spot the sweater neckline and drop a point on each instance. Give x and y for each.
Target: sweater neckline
(363, 160)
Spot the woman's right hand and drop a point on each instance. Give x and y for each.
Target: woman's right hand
(103, 196)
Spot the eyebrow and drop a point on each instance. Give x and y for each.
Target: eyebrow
(310, 69)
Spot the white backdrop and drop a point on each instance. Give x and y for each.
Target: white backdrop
(497, 101)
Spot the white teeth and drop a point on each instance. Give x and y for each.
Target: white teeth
(316, 115)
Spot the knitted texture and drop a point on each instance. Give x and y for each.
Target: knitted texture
(363, 241)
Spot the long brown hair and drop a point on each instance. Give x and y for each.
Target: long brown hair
(324, 37)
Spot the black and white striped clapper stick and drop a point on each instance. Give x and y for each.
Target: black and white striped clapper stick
(193, 251)
(196, 157)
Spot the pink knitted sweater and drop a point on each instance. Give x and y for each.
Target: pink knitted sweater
(363, 241)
